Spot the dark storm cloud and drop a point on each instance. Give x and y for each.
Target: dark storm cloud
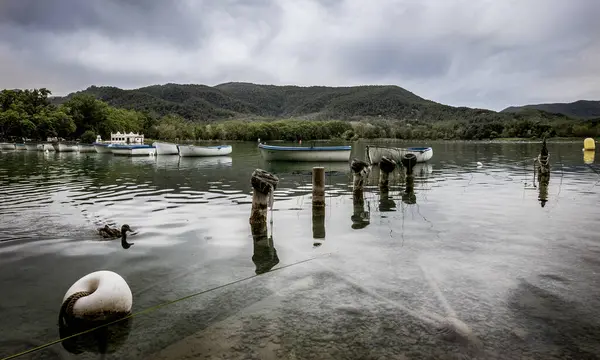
(483, 53)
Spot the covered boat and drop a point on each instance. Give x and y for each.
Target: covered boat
(374, 153)
(7, 146)
(193, 150)
(86, 148)
(63, 147)
(132, 150)
(20, 147)
(164, 148)
(305, 153)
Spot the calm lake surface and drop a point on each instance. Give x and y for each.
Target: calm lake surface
(474, 244)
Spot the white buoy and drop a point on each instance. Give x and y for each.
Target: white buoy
(479, 164)
(109, 296)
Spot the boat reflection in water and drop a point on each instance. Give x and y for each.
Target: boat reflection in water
(205, 162)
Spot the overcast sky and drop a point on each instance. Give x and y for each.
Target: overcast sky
(477, 53)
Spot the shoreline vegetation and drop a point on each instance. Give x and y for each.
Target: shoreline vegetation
(32, 114)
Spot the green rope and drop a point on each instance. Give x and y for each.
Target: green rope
(152, 308)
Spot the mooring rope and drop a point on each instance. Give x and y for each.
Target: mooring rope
(147, 310)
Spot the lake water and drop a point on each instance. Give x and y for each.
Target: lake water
(474, 245)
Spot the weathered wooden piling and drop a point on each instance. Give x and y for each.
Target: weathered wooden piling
(318, 222)
(360, 173)
(318, 187)
(409, 197)
(409, 161)
(386, 167)
(263, 185)
(543, 159)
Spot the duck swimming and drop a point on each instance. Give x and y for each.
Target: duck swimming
(110, 233)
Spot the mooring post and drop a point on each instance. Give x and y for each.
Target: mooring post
(409, 161)
(409, 196)
(386, 167)
(360, 171)
(263, 185)
(318, 187)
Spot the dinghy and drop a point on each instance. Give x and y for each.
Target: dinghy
(374, 153)
(193, 150)
(305, 153)
(164, 148)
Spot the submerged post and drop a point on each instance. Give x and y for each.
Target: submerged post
(386, 167)
(360, 171)
(409, 196)
(263, 185)
(318, 187)
(409, 161)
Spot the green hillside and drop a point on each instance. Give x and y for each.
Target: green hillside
(584, 109)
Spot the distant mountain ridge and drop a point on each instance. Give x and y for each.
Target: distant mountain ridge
(201, 103)
(583, 109)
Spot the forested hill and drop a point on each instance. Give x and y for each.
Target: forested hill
(201, 103)
(584, 109)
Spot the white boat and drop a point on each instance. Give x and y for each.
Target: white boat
(8, 146)
(45, 147)
(102, 148)
(20, 147)
(31, 147)
(374, 153)
(132, 150)
(305, 153)
(62, 147)
(86, 148)
(164, 148)
(193, 150)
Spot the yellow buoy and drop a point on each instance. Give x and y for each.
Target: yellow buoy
(589, 144)
(588, 156)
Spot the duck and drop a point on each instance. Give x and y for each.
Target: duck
(108, 232)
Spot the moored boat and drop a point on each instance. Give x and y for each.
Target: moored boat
(7, 146)
(305, 153)
(20, 147)
(86, 148)
(102, 148)
(374, 153)
(193, 150)
(45, 147)
(132, 150)
(62, 147)
(31, 147)
(164, 148)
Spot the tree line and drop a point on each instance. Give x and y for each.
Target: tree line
(29, 114)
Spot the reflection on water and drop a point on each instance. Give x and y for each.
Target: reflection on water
(453, 239)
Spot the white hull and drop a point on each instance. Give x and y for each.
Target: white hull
(102, 148)
(7, 146)
(31, 147)
(374, 153)
(60, 147)
(44, 147)
(132, 151)
(315, 154)
(86, 148)
(165, 148)
(192, 150)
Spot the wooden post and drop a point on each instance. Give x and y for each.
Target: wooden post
(263, 184)
(318, 187)
(409, 161)
(360, 171)
(544, 180)
(318, 223)
(409, 196)
(386, 167)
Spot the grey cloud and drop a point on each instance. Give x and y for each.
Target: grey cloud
(459, 52)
